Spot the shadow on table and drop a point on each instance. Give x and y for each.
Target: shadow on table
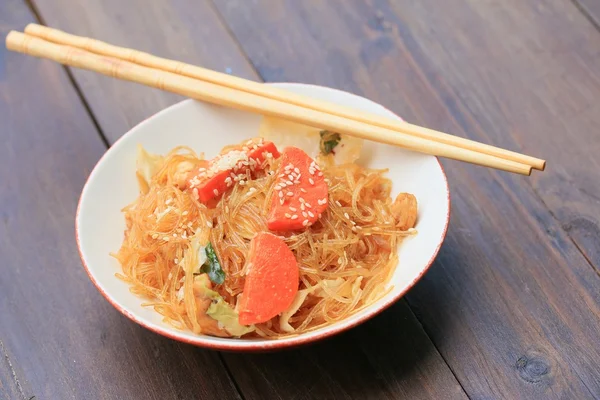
(388, 354)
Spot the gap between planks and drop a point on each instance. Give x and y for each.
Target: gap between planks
(11, 368)
(586, 13)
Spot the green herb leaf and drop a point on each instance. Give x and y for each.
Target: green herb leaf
(328, 141)
(212, 266)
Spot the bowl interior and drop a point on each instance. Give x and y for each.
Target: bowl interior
(207, 128)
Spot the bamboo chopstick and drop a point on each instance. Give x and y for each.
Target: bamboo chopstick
(227, 96)
(192, 71)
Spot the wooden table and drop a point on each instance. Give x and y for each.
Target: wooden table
(511, 307)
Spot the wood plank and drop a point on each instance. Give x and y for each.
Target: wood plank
(59, 338)
(512, 303)
(185, 21)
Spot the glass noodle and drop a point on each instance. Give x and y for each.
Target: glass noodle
(345, 259)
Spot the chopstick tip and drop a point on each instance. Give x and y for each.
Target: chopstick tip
(31, 27)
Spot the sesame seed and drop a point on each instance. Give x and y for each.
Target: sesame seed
(304, 214)
(277, 187)
(291, 177)
(311, 171)
(280, 194)
(320, 174)
(353, 223)
(301, 199)
(346, 215)
(254, 147)
(289, 194)
(269, 155)
(281, 175)
(305, 222)
(245, 148)
(358, 227)
(353, 229)
(155, 236)
(293, 208)
(294, 216)
(337, 203)
(174, 235)
(216, 192)
(311, 214)
(296, 170)
(282, 184)
(252, 190)
(186, 212)
(209, 224)
(176, 261)
(312, 182)
(303, 190)
(308, 205)
(242, 182)
(289, 183)
(302, 206)
(281, 201)
(195, 193)
(288, 215)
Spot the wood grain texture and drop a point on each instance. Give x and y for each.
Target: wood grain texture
(511, 302)
(410, 366)
(59, 339)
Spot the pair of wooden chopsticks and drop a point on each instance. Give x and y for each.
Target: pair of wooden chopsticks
(223, 89)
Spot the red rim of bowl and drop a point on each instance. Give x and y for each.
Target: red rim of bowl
(235, 345)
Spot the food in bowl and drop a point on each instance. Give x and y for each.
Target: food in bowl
(262, 241)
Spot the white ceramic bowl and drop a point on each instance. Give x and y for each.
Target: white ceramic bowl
(204, 127)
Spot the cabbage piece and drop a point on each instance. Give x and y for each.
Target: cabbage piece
(198, 243)
(227, 317)
(285, 133)
(147, 165)
(284, 319)
(224, 314)
(332, 285)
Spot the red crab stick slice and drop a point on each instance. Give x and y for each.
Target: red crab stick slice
(300, 195)
(271, 280)
(212, 180)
